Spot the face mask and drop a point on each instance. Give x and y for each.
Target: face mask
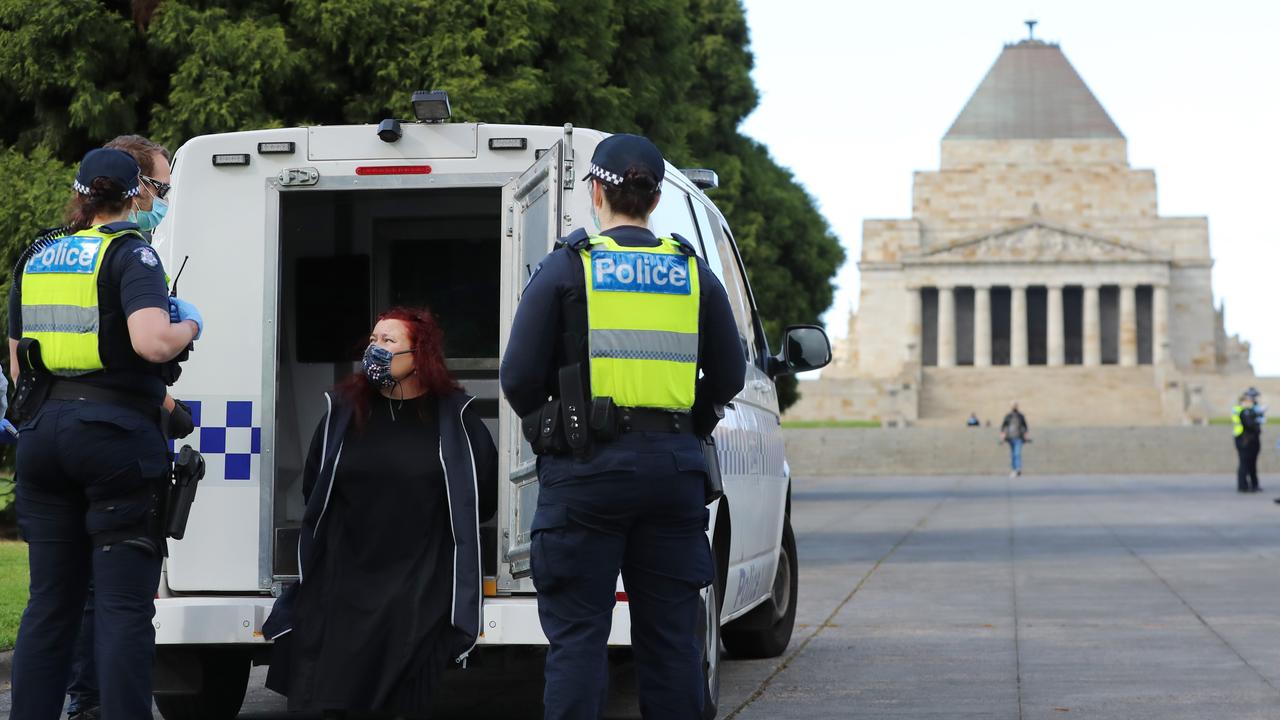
(149, 220)
(377, 366)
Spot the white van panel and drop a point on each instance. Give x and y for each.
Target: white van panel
(361, 142)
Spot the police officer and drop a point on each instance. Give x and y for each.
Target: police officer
(1247, 429)
(92, 457)
(633, 338)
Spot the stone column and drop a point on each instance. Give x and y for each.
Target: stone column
(946, 327)
(982, 327)
(1018, 326)
(1128, 325)
(1092, 327)
(915, 326)
(1159, 325)
(1057, 326)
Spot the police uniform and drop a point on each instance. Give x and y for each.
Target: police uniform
(649, 327)
(1248, 439)
(91, 459)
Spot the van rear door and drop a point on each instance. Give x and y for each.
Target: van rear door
(531, 224)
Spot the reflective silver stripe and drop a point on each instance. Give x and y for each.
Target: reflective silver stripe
(59, 319)
(644, 345)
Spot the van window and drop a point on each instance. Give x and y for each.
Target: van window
(724, 263)
(672, 217)
(708, 239)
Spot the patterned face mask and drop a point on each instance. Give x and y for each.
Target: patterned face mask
(377, 366)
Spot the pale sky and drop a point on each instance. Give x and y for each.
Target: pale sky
(856, 95)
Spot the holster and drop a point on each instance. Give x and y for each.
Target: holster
(34, 382)
(713, 486)
(188, 470)
(573, 410)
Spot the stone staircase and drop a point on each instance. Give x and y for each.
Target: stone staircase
(1048, 396)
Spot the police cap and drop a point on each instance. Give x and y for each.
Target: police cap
(117, 166)
(617, 154)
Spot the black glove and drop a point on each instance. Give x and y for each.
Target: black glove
(181, 424)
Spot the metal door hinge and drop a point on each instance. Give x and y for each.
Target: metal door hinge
(294, 177)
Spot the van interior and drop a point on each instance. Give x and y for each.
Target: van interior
(346, 256)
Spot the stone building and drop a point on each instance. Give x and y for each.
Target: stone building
(1035, 266)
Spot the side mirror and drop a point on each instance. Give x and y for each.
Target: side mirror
(804, 348)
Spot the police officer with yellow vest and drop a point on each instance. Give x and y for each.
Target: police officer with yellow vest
(92, 458)
(633, 339)
(1247, 429)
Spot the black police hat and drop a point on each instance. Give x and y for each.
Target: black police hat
(115, 165)
(617, 154)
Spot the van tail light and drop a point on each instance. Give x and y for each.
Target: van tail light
(393, 170)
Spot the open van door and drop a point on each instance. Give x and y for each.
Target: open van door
(531, 224)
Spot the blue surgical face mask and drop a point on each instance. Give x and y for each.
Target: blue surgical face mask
(149, 220)
(377, 366)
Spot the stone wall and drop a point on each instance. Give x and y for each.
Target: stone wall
(958, 153)
(1054, 451)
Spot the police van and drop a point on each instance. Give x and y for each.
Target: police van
(293, 240)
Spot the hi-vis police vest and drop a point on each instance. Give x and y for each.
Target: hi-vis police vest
(1237, 422)
(60, 300)
(642, 323)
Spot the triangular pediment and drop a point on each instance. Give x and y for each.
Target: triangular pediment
(1036, 242)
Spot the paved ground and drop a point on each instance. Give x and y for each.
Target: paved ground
(1057, 597)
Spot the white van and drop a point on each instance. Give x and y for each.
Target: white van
(293, 240)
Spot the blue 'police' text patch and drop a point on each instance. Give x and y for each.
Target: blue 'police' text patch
(72, 254)
(613, 271)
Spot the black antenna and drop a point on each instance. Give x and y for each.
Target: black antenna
(1031, 28)
(173, 291)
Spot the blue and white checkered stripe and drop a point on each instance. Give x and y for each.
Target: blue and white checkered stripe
(229, 435)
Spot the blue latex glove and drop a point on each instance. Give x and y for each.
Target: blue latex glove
(8, 433)
(186, 311)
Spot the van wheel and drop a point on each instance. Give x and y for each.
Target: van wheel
(765, 632)
(709, 629)
(225, 677)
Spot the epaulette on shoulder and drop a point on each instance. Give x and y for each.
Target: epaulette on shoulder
(686, 247)
(577, 240)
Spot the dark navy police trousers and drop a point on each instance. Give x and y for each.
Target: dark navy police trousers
(75, 460)
(635, 507)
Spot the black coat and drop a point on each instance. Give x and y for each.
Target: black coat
(470, 464)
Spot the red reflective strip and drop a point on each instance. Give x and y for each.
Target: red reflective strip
(622, 597)
(393, 170)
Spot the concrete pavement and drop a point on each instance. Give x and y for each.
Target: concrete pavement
(987, 597)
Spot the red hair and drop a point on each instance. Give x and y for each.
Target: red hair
(427, 340)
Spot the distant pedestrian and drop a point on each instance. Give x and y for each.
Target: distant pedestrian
(1014, 430)
(973, 420)
(1246, 426)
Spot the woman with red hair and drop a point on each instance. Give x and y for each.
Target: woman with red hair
(400, 473)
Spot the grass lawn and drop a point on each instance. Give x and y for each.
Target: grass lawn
(13, 589)
(801, 424)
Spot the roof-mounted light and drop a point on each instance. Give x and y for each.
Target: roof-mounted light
(704, 178)
(222, 159)
(276, 148)
(431, 106)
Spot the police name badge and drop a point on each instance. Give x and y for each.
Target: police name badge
(613, 271)
(73, 254)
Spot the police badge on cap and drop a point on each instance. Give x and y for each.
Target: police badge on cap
(617, 154)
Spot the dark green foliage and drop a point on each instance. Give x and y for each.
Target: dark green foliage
(75, 73)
